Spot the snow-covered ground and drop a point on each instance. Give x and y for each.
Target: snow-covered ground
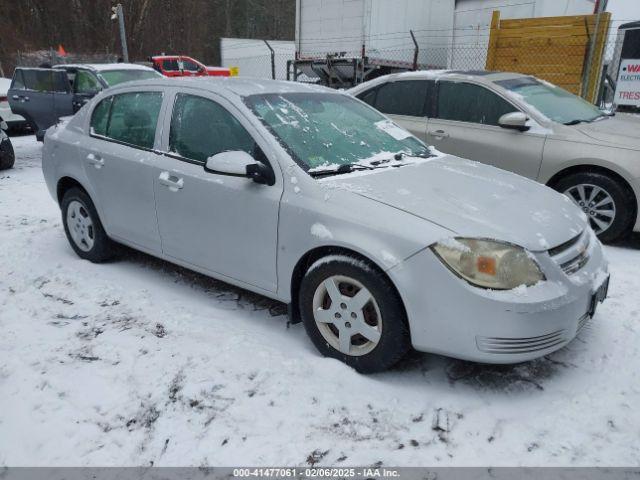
(139, 362)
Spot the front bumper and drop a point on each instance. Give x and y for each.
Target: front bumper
(449, 316)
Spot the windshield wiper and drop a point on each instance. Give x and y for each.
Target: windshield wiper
(345, 168)
(576, 122)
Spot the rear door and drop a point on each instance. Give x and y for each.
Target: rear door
(465, 124)
(119, 159)
(41, 96)
(405, 101)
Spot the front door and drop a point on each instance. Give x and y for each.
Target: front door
(465, 124)
(119, 160)
(226, 225)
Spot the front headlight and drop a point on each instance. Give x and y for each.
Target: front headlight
(488, 263)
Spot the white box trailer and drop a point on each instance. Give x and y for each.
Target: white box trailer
(344, 42)
(253, 57)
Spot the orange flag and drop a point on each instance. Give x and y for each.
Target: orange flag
(61, 51)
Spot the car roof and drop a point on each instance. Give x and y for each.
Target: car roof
(100, 67)
(481, 76)
(234, 85)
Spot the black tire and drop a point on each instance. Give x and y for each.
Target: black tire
(7, 156)
(103, 247)
(394, 340)
(625, 203)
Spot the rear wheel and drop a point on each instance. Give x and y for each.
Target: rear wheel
(352, 313)
(608, 203)
(83, 227)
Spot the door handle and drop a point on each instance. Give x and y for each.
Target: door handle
(95, 160)
(438, 134)
(174, 183)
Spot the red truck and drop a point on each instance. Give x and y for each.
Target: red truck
(183, 66)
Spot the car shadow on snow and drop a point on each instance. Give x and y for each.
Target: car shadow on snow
(631, 242)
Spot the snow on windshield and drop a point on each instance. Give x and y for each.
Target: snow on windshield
(326, 130)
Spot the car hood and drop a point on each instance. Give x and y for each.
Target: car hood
(620, 130)
(472, 200)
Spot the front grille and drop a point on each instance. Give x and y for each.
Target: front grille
(574, 254)
(583, 321)
(520, 345)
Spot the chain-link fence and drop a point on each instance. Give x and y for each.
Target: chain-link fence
(53, 57)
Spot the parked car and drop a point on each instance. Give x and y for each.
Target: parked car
(14, 122)
(43, 95)
(311, 197)
(182, 66)
(7, 157)
(528, 126)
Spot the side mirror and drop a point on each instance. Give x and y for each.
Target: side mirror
(514, 121)
(3, 125)
(239, 164)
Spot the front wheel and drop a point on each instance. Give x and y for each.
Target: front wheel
(608, 203)
(352, 313)
(83, 227)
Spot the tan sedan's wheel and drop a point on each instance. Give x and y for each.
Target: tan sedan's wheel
(352, 312)
(608, 203)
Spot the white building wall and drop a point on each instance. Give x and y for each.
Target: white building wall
(253, 58)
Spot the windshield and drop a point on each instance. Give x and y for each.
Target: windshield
(553, 102)
(114, 77)
(324, 131)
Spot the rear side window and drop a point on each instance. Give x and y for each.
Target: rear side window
(100, 117)
(369, 97)
(18, 82)
(406, 97)
(201, 128)
(466, 102)
(170, 65)
(45, 80)
(129, 118)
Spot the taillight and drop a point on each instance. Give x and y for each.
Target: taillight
(3, 99)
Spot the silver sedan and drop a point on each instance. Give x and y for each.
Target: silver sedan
(377, 242)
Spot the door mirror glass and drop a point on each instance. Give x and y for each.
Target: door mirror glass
(514, 121)
(3, 125)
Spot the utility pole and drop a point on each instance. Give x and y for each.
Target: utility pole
(119, 14)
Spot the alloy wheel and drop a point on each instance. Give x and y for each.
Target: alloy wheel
(347, 315)
(596, 203)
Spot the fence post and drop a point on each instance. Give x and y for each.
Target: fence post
(593, 67)
(416, 50)
(273, 60)
(493, 40)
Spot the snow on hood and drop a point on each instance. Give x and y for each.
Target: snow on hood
(473, 200)
(622, 130)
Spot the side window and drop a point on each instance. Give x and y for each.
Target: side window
(369, 97)
(466, 102)
(407, 97)
(170, 65)
(190, 66)
(45, 80)
(100, 117)
(201, 128)
(86, 82)
(133, 118)
(18, 82)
